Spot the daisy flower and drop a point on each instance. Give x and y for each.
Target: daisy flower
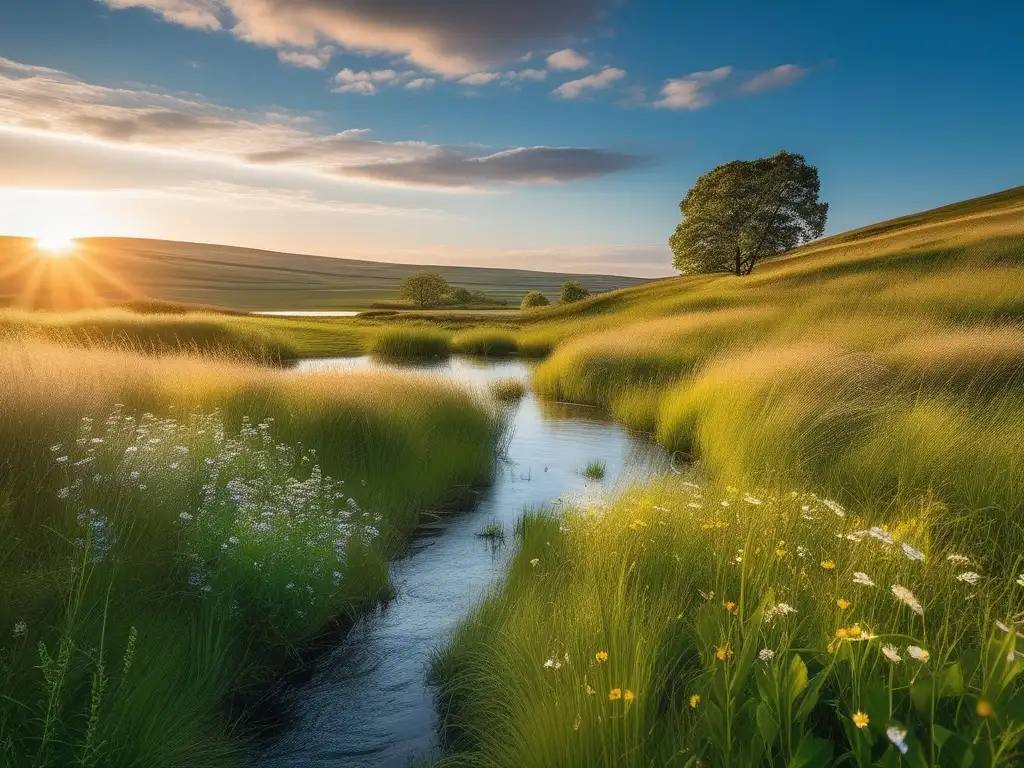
(893, 655)
(861, 720)
(920, 654)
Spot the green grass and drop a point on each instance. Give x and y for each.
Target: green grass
(507, 390)
(873, 379)
(493, 532)
(178, 528)
(411, 343)
(594, 470)
(119, 270)
(485, 343)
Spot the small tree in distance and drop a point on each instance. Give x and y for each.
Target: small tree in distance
(534, 299)
(745, 211)
(425, 289)
(573, 291)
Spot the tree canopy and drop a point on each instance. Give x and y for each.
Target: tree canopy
(573, 291)
(425, 289)
(747, 210)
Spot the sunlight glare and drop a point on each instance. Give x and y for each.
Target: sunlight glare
(55, 246)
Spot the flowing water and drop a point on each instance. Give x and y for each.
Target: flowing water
(367, 702)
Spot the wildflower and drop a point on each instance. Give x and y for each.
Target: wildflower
(835, 507)
(842, 604)
(590, 691)
(842, 633)
(969, 577)
(766, 654)
(904, 594)
(893, 655)
(628, 696)
(694, 700)
(828, 565)
(706, 595)
(638, 524)
(615, 694)
(20, 628)
(958, 559)
(912, 553)
(185, 516)
(920, 654)
(802, 552)
(898, 737)
(860, 719)
(535, 561)
(724, 503)
(985, 708)
(576, 723)
(730, 606)
(723, 652)
(773, 611)
(780, 553)
(751, 500)
(601, 656)
(882, 535)
(863, 579)
(1020, 580)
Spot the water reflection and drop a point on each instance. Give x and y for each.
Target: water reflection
(367, 703)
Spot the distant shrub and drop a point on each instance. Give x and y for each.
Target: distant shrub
(487, 343)
(573, 291)
(411, 344)
(534, 299)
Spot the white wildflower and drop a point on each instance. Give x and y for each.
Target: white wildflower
(751, 500)
(898, 737)
(20, 628)
(535, 561)
(918, 653)
(958, 559)
(863, 579)
(835, 507)
(892, 654)
(766, 654)
(969, 577)
(913, 554)
(881, 535)
(906, 596)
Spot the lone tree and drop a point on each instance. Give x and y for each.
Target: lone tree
(573, 291)
(534, 299)
(425, 289)
(747, 210)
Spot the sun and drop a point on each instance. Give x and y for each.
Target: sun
(55, 246)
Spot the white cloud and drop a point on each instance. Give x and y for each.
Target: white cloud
(363, 83)
(41, 101)
(599, 81)
(452, 37)
(691, 91)
(362, 87)
(567, 59)
(773, 79)
(421, 83)
(479, 78)
(526, 75)
(317, 59)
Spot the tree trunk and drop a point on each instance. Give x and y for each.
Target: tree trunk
(738, 269)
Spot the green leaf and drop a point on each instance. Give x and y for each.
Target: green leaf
(812, 753)
(951, 681)
(810, 700)
(954, 750)
(767, 725)
(748, 650)
(797, 678)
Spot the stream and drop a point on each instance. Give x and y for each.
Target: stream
(367, 701)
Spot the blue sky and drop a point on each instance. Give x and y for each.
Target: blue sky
(527, 133)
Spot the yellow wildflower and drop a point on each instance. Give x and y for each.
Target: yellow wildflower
(628, 696)
(843, 604)
(694, 700)
(828, 565)
(730, 606)
(601, 656)
(615, 694)
(854, 631)
(984, 708)
(780, 553)
(842, 633)
(723, 652)
(860, 719)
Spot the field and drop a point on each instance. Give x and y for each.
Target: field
(837, 579)
(179, 527)
(119, 270)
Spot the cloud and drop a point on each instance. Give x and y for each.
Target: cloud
(317, 59)
(479, 78)
(41, 101)
(421, 83)
(526, 75)
(524, 165)
(691, 91)
(567, 59)
(363, 83)
(452, 37)
(601, 80)
(773, 79)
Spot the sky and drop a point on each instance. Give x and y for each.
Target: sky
(542, 134)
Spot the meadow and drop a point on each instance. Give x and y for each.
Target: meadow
(834, 575)
(180, 528)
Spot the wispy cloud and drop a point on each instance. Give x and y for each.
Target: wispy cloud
(365, 82)
(46, 101)
(445, 36)
(692, 91)
(773, 79)
(312, 59)
(479, 78)
(567, 59)
(574, 89)
(421, 83)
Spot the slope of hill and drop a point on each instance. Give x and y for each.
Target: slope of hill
(121, 269)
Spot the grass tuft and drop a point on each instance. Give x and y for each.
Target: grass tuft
(411, 343)
(508, 390)
(486, 343)
(594, 470)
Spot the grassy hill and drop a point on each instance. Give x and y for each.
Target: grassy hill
(120, 269)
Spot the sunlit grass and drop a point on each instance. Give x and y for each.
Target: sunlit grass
(411, 343)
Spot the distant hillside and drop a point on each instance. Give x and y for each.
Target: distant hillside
(121, 269)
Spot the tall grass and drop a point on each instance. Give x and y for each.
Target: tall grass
(411, 343)
(177, 528)
(487, 343)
